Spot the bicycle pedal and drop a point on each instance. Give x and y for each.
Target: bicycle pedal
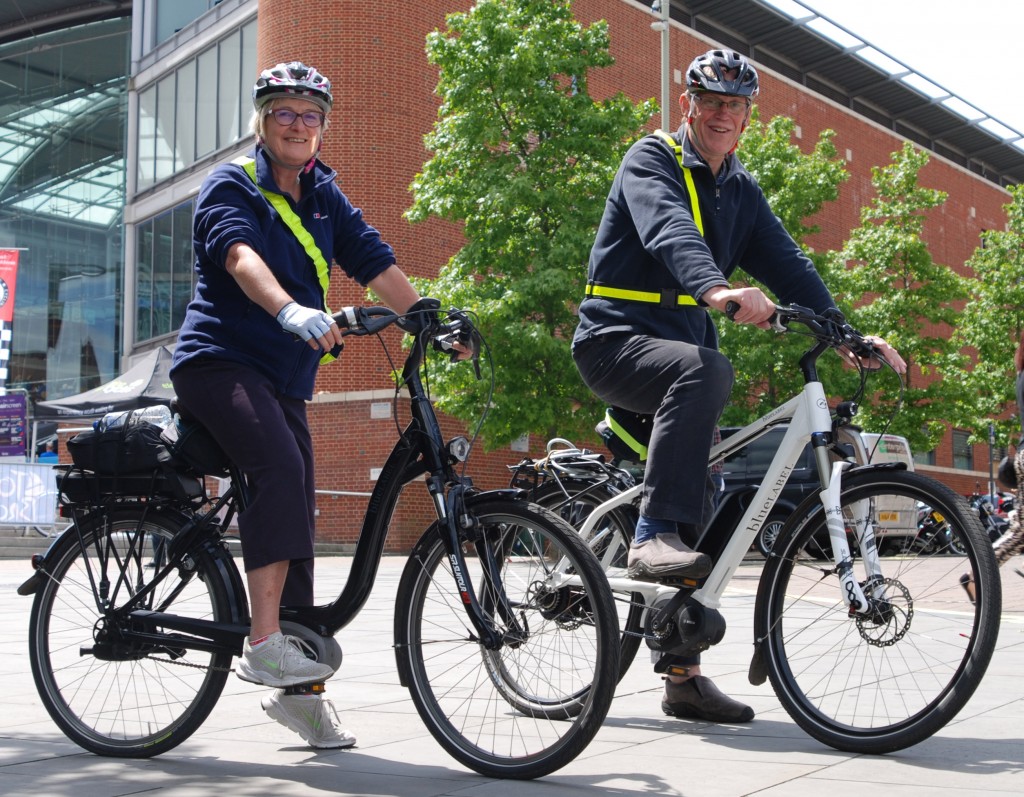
(679, 581)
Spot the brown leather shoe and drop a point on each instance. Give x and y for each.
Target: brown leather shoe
(699, 698)
(665, 556)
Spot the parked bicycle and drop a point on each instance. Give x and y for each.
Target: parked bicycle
(867, 655)
(504, 627)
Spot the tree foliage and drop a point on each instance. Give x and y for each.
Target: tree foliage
(990, 327)
(796, 185)
(523, 157)
(886, 282)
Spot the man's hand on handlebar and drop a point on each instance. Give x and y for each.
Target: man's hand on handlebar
(751, 304)
(873, 361)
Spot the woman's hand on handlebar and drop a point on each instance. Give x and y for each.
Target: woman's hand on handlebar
(314, 326)
(752, 306)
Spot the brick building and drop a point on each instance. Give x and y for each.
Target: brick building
(190, 65)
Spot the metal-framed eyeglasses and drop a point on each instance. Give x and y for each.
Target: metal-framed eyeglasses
(711, 104)
(286, 117)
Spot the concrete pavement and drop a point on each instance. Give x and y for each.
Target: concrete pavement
(638, 751)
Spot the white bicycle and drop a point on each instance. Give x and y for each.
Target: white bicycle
(867, 654)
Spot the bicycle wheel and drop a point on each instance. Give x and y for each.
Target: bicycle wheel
(112, 696)
(531, 706)
(887, 679)
(574, 500)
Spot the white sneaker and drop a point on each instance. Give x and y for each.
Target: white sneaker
(314, 718)
(280, 661)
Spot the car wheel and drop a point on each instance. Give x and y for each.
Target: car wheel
(769, 533)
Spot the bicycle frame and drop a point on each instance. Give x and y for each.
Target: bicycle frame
(420, 450)
(809, 419)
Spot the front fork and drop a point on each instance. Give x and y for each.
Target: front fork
(454, 522)
(861, 520)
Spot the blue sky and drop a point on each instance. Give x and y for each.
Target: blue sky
(971, 48)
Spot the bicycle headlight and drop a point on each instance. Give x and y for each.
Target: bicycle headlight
(458, 449)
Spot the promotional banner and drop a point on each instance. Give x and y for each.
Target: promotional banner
(13, 425)
(28, 494)
(8, 277)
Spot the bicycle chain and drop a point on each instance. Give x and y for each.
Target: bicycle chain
(190, 664)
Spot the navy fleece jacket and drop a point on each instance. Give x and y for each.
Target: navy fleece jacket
(647, 240)
(221, 322)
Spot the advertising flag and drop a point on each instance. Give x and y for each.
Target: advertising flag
(8, 276)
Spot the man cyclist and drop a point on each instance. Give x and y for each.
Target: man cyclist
(675, 228)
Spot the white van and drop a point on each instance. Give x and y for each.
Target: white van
(898, 518)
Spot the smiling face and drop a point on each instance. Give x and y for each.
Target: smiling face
(715, 127)
(291, 146)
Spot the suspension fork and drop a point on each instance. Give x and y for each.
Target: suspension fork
(863, 524)
(452, 519)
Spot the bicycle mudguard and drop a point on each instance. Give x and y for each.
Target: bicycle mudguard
(39, 561)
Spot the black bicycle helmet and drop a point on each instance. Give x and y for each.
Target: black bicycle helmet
(293, 78)
(708, 73)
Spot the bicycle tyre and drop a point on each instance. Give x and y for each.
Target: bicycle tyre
(128, 702)
(881, 683)
(530, 707)
(574, 500)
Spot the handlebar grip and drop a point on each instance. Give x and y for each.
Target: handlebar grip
(731, 308)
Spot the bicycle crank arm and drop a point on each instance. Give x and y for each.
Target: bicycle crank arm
(205, 634)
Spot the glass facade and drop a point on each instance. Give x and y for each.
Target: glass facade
(196, 109)
(63, 113)
(187, 114)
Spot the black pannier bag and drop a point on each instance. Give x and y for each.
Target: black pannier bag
(194, 447)
(124, 443)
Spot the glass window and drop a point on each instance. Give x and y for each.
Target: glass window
(165, 107)
(181, 263)
(250, 70)
(173, 16)
(206, 103)
(185, 140)
(963, 452)
(144, 281)
(229, 100)
(62, 184)
(163, 252)
(147, 138)
(925, 457)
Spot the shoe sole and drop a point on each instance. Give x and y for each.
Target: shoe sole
(685, 711)
(643, 572)
(263, 679)
(283, 719)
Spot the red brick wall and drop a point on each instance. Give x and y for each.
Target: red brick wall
(374, 54)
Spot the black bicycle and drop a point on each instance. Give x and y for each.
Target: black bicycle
(505, 630)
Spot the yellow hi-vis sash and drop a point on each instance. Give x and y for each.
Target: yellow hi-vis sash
(668, 297)
(626, 437)
(291, 218)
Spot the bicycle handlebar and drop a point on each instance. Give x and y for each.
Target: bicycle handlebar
(455, 328)
(829, 328)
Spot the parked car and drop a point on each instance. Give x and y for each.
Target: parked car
(744, 471)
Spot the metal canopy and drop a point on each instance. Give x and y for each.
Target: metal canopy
(62, 96)
(846, 72)
(20, 19)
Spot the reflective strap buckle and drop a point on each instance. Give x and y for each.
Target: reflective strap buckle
(669, 298)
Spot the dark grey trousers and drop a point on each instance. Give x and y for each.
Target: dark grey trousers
(685, 388)
(267, 436)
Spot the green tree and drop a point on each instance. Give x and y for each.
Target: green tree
(523, 157)
(796, 186)
(990, 327)
(886, 282)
